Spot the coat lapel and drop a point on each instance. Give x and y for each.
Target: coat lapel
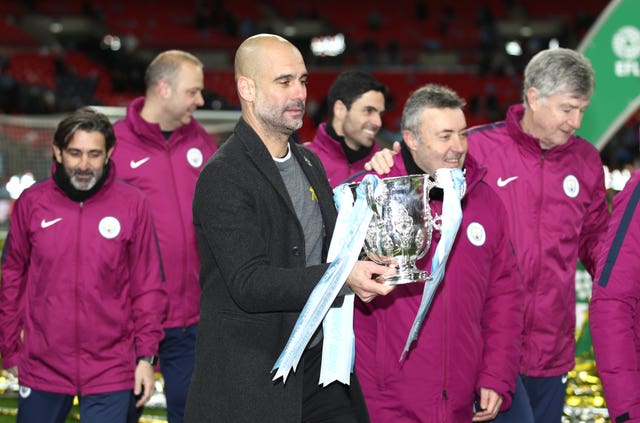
(263, 161)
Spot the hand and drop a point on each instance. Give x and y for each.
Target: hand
(362, 280)
(490, 403)
(382, 161)
(144, 383)
(13, 371)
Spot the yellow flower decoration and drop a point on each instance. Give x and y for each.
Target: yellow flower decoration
(314, 197)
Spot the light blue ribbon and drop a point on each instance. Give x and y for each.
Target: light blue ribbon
(346, 244)
(453, 185)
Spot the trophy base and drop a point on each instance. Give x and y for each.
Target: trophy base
(408, 276)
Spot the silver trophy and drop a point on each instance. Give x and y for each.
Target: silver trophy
(401, 228)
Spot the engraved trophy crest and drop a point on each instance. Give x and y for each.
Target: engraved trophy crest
(401, 229)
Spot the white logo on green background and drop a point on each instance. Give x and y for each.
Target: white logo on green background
(626, 45)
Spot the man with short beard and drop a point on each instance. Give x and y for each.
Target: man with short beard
(82, 297)
(264, 216)
(347, 140)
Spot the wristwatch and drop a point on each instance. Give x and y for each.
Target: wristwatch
(151, 359)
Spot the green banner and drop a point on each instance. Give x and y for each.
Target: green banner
(613, 46)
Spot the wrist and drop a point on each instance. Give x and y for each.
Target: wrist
(151, 359)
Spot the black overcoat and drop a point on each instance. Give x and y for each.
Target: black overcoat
(254, 282)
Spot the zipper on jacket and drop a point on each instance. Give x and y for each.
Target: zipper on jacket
(539, 260)
(445, 356)
(77, 296)
(184, 232)
(444, 408)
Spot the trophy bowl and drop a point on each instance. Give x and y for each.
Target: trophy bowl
(401, 228)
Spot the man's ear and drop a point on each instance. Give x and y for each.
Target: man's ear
(339, 109)
(57, 153)
(246, 88)
(109, 152)
(410, 139)
(533, 97)
(163, 88)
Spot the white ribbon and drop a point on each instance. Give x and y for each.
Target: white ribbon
(338, 343)
(353, 219)
(453, 185)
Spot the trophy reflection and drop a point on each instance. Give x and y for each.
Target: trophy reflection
(401, 229)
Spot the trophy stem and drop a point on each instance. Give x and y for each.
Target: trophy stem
(406, 275)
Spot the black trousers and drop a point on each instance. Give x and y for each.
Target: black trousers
(324, 404)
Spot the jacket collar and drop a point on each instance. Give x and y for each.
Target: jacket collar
(263, 161)
(338, 143)
(150, 133)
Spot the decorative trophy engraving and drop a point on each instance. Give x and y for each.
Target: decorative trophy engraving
(401, 229)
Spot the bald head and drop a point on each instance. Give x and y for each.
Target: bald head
(255, 51)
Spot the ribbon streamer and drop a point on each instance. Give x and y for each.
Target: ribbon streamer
(452, 183)
(346, 243)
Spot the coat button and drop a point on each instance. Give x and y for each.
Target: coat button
(295, 250)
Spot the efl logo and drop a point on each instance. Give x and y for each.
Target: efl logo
(626, 45)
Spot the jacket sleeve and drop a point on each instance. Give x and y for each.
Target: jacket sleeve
(614, 307)
(502, 322)
(594, 225)
(15, 262)
(148, 294)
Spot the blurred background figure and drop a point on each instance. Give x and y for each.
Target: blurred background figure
(347, 140)
(161, 149)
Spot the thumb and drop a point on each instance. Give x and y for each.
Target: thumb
(396, 147)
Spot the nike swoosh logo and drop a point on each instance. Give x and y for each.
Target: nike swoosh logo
(47, 223)
(503, 182)
(137, 163)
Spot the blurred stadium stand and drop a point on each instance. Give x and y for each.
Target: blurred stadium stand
(56, 55)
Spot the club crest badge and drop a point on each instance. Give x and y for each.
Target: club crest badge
(571, 186)
(109, 227)
(195, 157)
(476, 234)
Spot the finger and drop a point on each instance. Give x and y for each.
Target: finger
(484, 415)
(484, 399)
(388, 159)
(380, 288)
(142, 401)
(137, 387)
(148, 390)
(493, 403)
